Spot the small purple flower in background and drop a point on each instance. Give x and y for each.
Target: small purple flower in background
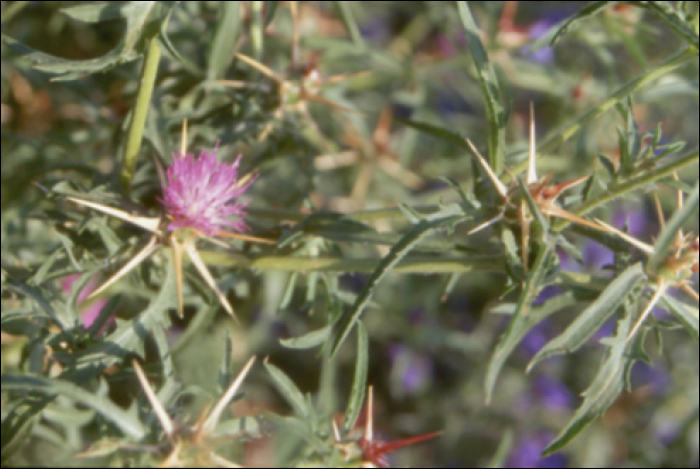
(667, 430)
(411, 371)
(527, 452)
(546, 392)
(605, 330)
(90, 313)
(547, 293)
(544, 55)
(654, 377)
(536, 338)
(199, 192)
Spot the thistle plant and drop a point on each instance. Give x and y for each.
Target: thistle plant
(420, 228)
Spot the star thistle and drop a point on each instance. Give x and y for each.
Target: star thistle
(542, 193)
(198, 197)
(198, 193)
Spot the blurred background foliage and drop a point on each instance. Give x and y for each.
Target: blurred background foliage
(377, 67)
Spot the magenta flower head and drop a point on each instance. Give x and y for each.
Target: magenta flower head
(200, 193)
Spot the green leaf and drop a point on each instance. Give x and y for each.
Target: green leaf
(17, 425)
(583, 15)
(129, 336)
(36, 295)
(289, 390)
(668, 234)
(604, 389)
(348, 18)
(169, 386)
(99, 12)
(686, 314)
(226, 375)
(435, 131)
(40, 275)
(307, 341)
(359, 384)
(630, 141)
(140, 16)
(127, 422)
(520, 323)
(490, 87)
(590, 320)
(500, 457)
(341, 329)
(253, 426)
(225, 39)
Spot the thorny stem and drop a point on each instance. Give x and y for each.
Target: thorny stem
(613, 192)
(425, 265)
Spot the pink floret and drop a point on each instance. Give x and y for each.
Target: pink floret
(199, 194)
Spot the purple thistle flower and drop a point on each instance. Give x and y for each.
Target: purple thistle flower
(527, 452)
(199, 191)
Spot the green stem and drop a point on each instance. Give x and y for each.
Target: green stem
(619, 189)
(362, 215)
(415, 265)
(138, 116)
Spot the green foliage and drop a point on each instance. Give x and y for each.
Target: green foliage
(369, 214)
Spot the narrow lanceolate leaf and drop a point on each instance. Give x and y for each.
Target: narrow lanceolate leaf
(590, 10)
(289, 390)
(225, 39)
(359, 384)
(491, 88)
(668, 233)
(434, 131)
(686, 314)
(590, 320)
(348, 18)
(308, 340)
(604, 388)
(519, 324)
(128, 423)
(341, 329)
